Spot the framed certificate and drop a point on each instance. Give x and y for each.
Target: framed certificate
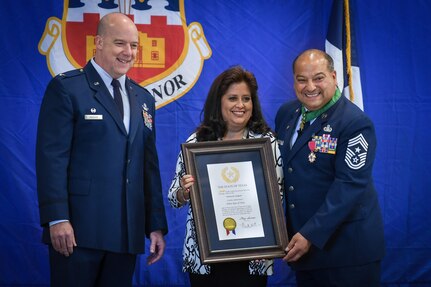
(236, 200)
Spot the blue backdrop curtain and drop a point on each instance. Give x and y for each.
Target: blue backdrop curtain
(392, 42)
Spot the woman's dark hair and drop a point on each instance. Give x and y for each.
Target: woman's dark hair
(213, 126)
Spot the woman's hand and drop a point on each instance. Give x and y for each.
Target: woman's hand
(183, 194)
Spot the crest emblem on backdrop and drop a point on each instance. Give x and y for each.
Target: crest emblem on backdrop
(170, 54)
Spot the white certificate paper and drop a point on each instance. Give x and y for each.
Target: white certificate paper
(236, 205)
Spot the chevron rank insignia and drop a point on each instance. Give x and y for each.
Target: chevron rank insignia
(356, 153)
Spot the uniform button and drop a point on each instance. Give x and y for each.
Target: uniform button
(127, 181)
(292, 206)
(128, 161)
(289, 170)
(291, 188)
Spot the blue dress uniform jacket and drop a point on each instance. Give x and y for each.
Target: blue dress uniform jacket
(90, 171)
(332, 201)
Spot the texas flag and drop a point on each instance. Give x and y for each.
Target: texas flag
(340, 44)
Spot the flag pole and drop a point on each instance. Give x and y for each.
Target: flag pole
(348, 49)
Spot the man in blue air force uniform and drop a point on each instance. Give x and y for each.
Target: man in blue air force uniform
(328, 147)
(99, 184)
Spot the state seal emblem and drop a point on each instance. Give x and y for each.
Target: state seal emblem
(170, 53)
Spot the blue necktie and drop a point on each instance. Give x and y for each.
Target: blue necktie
(117, 96)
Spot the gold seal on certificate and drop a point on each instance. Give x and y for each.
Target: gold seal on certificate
(230, 174)
(229, 224)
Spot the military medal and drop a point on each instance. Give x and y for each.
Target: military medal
(148, 118)
(323, 144)
(301, 125)
(312, 147)
(303, 121)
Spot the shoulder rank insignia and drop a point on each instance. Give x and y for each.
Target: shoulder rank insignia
(356, 153)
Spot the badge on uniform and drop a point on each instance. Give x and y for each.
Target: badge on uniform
(148, 118)
(93, 116)
(322, 144)
(356, 153)
(327, 129)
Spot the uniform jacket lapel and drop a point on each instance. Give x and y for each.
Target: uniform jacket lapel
(103, 96)
(289, 125)
(135, 111)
